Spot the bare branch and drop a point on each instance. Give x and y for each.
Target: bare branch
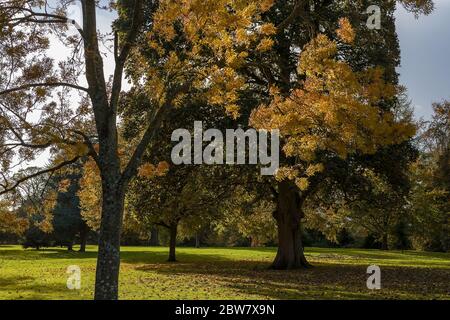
(49, 84)
(39, 173)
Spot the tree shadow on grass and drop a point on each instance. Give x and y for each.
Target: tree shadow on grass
(323, 281)
(26, 287)
(131, 257)
(50, 253)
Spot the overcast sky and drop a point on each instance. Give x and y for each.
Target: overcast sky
(425, 46)
(425, 53)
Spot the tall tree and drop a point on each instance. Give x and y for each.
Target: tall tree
(67, 220)
(430, 195)
(29, 81)
(288, 79)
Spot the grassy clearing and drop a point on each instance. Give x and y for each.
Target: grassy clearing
(227, 273)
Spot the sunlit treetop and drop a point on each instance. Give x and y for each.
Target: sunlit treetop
(334, 110)
(195, 48)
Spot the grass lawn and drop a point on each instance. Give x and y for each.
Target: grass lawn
(227, 273)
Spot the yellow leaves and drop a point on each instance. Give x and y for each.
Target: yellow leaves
(242, 36)
(265, 45)
(45, 226)
(233, 110)
(313, 169)
(268, 29)
(265, 5)
(90, 195)
(317, 55)
(345, 31)
(334, 109)
(203, 43)
(286, 173)
(302, 183)
(234, 59)
(10, 222)
(80, 149)
(223, 89)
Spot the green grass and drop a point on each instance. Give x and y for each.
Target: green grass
(227, 273)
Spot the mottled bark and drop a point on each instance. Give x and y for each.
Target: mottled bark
(288, 215)
(108, 261)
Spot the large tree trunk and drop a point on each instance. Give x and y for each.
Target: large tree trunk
(83, 237)
(173, 242)
(288, 216)
(108, 261)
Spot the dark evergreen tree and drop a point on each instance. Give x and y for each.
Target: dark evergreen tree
(67, 221)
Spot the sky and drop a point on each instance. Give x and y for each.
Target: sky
(425, 56)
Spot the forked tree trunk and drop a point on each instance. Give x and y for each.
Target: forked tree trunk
(288, 215)
(108, 261)
(173, 242)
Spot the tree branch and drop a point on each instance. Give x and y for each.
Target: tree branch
(121, 57)
(36, 174)
(44, 84)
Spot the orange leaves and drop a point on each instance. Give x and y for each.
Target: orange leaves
(345, 31)
(265, 45)
(10, 222)
(268, 29)
(265, 5)
(64, 185)
(149, 170)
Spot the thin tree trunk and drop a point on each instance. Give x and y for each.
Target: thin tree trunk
(108, 261)
(83, 237)
(288, 215)
(154, 237)
(173, 242)
(197, 240)
(385, 243)
(70, 247)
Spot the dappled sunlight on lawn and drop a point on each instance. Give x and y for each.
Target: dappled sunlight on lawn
(227, 273)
